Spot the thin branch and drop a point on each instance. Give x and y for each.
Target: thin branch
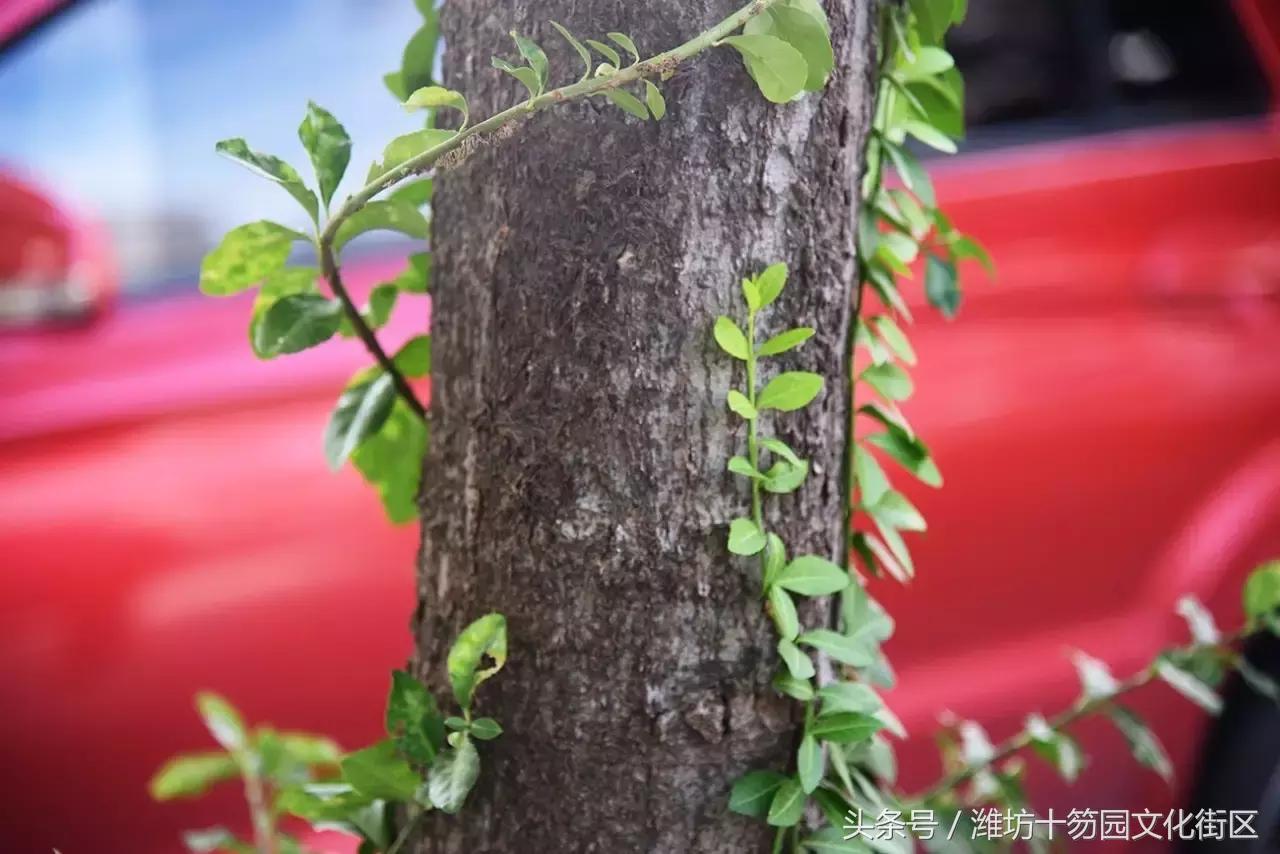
(1082, 708)
(333, 275)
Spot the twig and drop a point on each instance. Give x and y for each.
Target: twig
(329, 268)
(1082, 708)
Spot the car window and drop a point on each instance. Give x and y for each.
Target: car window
(1043, 69)
(115, 105)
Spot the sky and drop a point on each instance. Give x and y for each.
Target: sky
(115, 107)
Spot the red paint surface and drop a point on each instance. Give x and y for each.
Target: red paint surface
(1104, 415)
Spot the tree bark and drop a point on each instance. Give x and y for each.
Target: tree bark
(576, 480)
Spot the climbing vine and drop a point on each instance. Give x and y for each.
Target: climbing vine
(843, 766)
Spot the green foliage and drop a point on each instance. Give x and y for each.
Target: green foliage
(485, 638)
(373, 793)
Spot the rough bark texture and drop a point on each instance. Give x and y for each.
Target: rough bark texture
(576, 477)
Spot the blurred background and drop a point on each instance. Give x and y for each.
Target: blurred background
(167, 520)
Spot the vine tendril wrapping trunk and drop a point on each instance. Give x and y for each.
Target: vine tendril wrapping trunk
(663, 64)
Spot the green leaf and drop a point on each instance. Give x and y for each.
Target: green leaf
(577, 46)
(784, 477)
(534, 56)
(416, 277)
(381, 772)
(775, 558)
(628, 103)
(888, 380)
(797, 689)
(382, 215)
(1056, 748)
(418, 62)
(870, 478)
(783, 610)
(391, 461)
(485, 729)
(1262, 591)
(222, 721)
(753, 793)
(1189, 686)
(416, 193)
(404, 148)
(738, 403)
(438, 97)
(452, 777)
(1199, 621)
(770, 283)
(790, 391)
(361, 411)
(810, 764)
(913, 175)
(830, 839)
(192, 774)
(731, 339)
(653, 99)
(527, 76)
(282, 283)
(910, 453)
(1095, 677)
(751, 294)
(810, 575)
(895, 338)
(327, 802)
(297, 322)
(213, 839)
(967, 247)
(941, 285)
(395, 84)
(778, 68)
(624, 41)
(799, 665)
(615, 59)
(804, 32)
(928, 62)
(854, 651)
(785, 341)
(845, 727)
(787, 806)
(930, 136)
(895, 511)
(413, 719)
(1146, 748)
(745, 537)
(414, 358)
(382, 301)
(742, 466)
(486, 636)
(783, 450)
(247, 255)
(327, 142)
(857, 697)
(275, 169)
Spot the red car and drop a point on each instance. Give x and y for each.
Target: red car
(168, 524)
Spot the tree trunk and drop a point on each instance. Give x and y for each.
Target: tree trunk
(576, 480)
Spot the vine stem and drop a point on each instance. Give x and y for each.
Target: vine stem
(1082, 708)
(875, 178)
(753, 442)
(408, 829)
(662, 64)
(333, 275)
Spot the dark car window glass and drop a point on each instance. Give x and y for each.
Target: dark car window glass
(114, 107)
(1041, 69)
